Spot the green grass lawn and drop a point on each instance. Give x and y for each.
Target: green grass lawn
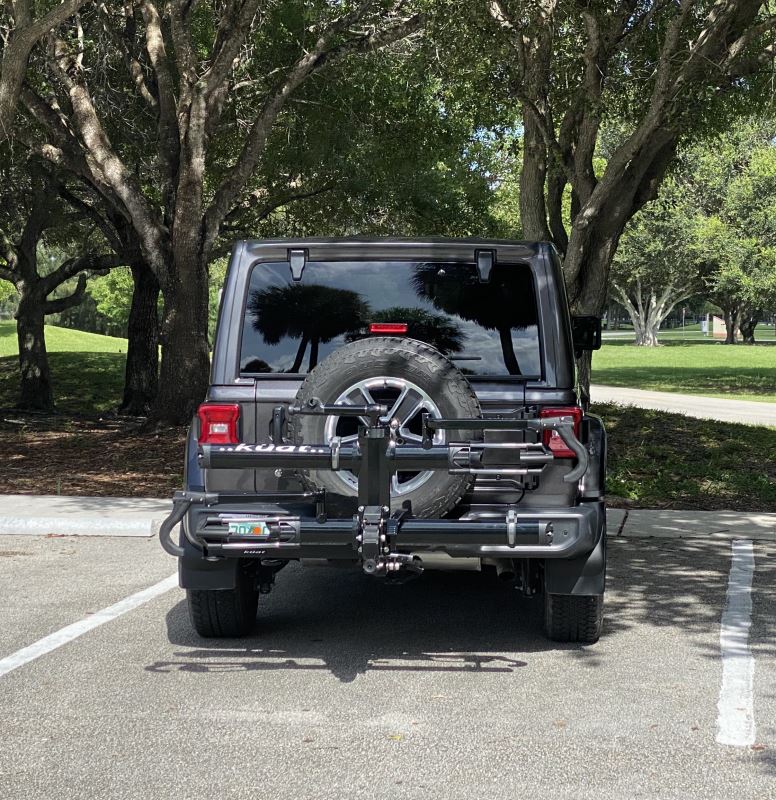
(659, 460)
(746, 372)
(62, 340)
(87, 369)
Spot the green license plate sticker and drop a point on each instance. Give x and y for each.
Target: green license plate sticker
(249, 527)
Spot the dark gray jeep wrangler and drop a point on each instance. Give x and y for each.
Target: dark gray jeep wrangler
(394, 405)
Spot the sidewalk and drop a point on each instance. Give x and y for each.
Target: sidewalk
(745, 412)
(41, 515)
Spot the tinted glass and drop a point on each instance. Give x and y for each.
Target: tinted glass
(484, 328)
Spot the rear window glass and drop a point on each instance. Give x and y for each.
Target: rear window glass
(484, 328)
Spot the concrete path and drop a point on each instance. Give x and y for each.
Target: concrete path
(41, 515)
(647, 523)
(745, 412)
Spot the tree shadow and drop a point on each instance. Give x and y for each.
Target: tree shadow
(656, 583)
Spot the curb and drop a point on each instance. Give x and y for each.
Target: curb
(50, 515)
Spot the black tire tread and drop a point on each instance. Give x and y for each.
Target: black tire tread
(223, 613)
(573, 618)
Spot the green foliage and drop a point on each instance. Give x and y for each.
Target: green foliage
(658, 246)
(112, 295)
(7, 294)
(713, 225)
(732, 182)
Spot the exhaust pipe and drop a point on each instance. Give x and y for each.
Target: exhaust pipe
(505, 570)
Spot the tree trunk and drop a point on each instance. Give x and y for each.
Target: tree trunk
(185, 367)
(747, 325)
(647, 335)
(313, 353)
(508, 349)
(584, 369)
(141, 379)
(300, 351)
(730, 327)
(35, 387)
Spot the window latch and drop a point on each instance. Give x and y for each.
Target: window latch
(297, 260)
(485, 260)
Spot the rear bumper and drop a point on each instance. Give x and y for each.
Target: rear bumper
(295, 532)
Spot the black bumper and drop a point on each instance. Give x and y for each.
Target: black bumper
(566, 538)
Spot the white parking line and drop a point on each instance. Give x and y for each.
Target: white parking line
(735, 719)
(67, 634)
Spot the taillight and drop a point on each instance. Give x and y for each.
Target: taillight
(388, 327)
(218, 423)
(552, 439)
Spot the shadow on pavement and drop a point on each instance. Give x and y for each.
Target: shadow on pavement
(348, 624)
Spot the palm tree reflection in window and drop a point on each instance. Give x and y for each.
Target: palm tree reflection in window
(435, 329)
(308, 312)
(504, 304)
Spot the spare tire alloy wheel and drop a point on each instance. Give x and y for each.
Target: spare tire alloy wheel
(409, 377)
(406, 404)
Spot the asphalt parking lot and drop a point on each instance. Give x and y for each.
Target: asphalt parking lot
(349, 688)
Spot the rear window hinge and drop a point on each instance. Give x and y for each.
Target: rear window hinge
(485, 260)
(297, 260)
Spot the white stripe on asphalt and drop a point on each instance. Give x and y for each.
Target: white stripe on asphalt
(735, 719)
(67, 634)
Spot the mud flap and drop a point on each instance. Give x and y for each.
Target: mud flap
(585, 575)
(196, 572)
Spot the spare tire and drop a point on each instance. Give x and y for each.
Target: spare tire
(408, 376)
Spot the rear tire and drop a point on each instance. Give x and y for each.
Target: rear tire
(224, 613)
(573, 617)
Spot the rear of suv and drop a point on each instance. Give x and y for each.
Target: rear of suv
(394, 406)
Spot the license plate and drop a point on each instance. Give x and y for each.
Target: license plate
(249, 527)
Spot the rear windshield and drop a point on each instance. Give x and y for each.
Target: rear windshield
(484, 328)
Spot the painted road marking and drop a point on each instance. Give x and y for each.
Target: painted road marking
(67, 634)
(735, 719)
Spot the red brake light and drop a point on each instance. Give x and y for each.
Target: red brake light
(388, 327)
(552, 439)
(218, 423)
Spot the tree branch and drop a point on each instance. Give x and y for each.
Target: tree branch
(233, 29)
(253, 200)
(110, 166)
(7, 275)
(321, 54)
(96, 264)
(17, 51)
(167, 126)
(63, 303)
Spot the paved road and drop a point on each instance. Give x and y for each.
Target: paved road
(745, 412)
(442, 688)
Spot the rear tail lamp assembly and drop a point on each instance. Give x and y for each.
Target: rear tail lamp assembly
(552, 439)
(218, 423)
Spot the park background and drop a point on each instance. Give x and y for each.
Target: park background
(143, 138)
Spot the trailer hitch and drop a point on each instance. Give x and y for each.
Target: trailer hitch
(375, 537)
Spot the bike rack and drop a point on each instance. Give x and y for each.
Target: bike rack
(373, 534)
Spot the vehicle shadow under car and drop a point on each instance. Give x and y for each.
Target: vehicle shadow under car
(348, 623)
